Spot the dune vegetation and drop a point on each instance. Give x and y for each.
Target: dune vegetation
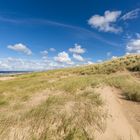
(63, 104)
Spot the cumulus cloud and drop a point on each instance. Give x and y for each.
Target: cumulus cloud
(131, 15)
(77, 49)
(90, 62)
(45, 52)
(133, 46)
(138, 35)
(127, 53)
(20, 48)
(105, 22)
(4, 66)
(63, 57)
(78, 57)
(52, 49)
(99, 61)
(114, 57)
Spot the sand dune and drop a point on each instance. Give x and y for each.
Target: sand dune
(118, 126)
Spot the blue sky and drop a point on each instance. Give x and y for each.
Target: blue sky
(48, 34)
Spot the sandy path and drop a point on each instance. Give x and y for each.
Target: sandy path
(6, 78)
(118, 127)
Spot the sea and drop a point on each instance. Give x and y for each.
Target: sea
(13, 72)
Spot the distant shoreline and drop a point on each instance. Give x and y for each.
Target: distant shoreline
(4, 73)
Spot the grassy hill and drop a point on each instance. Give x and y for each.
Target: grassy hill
(63, 104)
(129, 62)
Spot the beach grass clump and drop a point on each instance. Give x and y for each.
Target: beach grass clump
(129, 85)
(3, 102)
(76, 83)
(132, 92)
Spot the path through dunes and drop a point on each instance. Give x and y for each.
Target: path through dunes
(118, 126)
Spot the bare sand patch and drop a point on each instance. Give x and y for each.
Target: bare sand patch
(118, 126)
(6, 78)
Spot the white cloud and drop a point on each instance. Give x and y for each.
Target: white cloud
(45, 63)
(45, 52)
(138, 35)
(11, 63)
(133, 46)
(90, 62)
(99, 61)
(105, 23)
(77, 49)
(45, 57)
(52, 49)
(20, 48)
(127, 53)
(4, 66)
(131, 15)
(114, 57)
(63, 57)
(78, 57)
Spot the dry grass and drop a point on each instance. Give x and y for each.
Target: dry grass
(129, 85)
(61, 116)
(71, 109)
(130, 63)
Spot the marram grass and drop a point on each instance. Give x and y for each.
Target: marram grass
(62, 104)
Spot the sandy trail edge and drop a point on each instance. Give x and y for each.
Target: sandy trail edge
(6, 78)
(118, 127)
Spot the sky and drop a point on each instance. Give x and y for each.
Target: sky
(49, 34)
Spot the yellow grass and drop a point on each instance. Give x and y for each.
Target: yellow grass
(62, 104)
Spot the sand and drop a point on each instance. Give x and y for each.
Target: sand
(118, 126)
(6, 78)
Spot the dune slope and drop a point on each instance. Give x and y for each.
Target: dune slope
(118, 126)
